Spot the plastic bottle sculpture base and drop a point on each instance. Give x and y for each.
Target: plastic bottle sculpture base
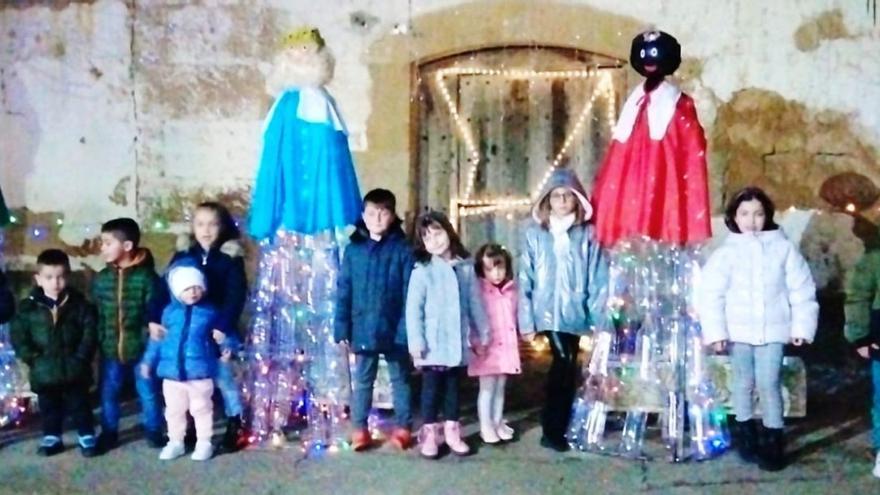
(648, 358)
(13, 380)
(298, 378)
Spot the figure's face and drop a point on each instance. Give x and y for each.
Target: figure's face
(114, 250)
(377, 219)
(436, 241)
(750, 216)
(562, 201)
(206, 227)
(52, 279)
(192, 295)
(494, 271)
(655, 54)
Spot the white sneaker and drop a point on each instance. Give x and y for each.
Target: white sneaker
(876, 471)
(203, 451)
(172, 451)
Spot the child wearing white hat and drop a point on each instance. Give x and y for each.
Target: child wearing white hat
(186, 358)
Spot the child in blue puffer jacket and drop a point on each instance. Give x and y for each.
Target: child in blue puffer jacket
(186, 358)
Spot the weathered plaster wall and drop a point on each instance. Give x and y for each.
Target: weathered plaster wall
(141, 108)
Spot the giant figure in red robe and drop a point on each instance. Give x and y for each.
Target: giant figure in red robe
(653, 181)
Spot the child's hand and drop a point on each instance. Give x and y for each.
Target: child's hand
(219, 337)
(528, 337)
(145, 370)
(719, 346)
(157, 331)
(479, 349)
(418, 355)
(797, 342)
(343, 342)
(226, 355)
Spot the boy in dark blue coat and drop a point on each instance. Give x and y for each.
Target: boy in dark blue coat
(370, 313)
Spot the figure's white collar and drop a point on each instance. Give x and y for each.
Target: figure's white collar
(315, 105)
(660, 111)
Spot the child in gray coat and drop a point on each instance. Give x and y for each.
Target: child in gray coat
(444, 314)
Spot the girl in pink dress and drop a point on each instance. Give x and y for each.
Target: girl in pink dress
(501, 358)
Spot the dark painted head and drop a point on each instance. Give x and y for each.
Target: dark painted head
(655, 54)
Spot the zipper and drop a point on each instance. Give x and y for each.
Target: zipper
(205, 259)
(184, 334)
(119, 329)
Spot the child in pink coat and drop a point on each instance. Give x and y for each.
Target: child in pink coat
(501, 358)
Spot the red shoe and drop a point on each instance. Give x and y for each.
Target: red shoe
(360, 440)
(401, 438)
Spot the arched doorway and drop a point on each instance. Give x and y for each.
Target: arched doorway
(492, 123)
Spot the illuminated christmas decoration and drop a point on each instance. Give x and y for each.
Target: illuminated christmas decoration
(467, 205)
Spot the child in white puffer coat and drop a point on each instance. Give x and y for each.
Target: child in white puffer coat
(757, 294)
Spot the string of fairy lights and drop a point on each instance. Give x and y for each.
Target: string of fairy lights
(467, 205)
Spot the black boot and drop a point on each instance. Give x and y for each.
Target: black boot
(107, 441)
(233, 437)
(745, 439)
(772, 451)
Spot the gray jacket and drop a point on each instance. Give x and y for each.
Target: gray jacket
(582, 273)
(444, 311)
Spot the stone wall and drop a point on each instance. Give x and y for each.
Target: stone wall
(141, 108)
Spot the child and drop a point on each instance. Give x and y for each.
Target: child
(216, 249)
(563, 276)
(495, 272)
(54, 333)
(862, 329)
(444, 314)
(122, 292)
(757, 293)
(186, 358)
(369, 313)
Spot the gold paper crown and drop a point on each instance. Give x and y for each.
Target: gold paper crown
(303, 36)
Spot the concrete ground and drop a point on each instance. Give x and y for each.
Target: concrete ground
(830, 453)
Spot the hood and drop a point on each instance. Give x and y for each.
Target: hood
(564, 177)
(232, 248)
(69, 294)
(142, 256)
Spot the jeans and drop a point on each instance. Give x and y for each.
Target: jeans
(225, 381)
(113, 376)
(561, 384)
(440, 384)
(759, 365)
(366, 367)
(70, 399)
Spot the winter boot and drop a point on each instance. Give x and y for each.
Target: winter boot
(401, 438)
(745, 438)
(772, 450)
(452, 436)
(429, 439)
(360, 439)
(234, 438)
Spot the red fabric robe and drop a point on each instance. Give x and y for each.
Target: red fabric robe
(653, 181)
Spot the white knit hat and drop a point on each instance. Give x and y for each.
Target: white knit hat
(184, 277)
